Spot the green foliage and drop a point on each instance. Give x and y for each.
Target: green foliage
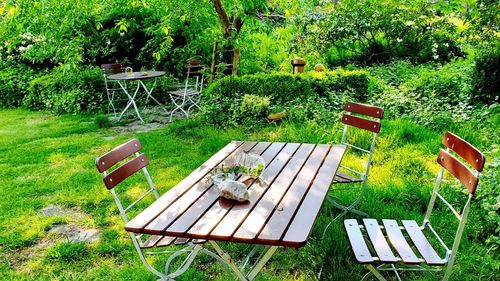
(435, 96)
(487, 74)
(102, 121)
(377, 31)
(67, 90)
(254, 106)
(67, 252)
(305, 94)
(14, 85)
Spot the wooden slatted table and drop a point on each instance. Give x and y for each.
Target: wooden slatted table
(281, 211)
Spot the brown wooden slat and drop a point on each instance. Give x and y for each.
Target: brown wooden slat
(299, 230)
(182, 241)
(137, 224)
(256, 220)
(217, 212)
(361, 123)
(157, 241)
(459, 170)
(357, 241)
(112, 68)
(230, 223)
(279, 221)
(176, 209)
(126, 170)
(420, 241)
(398, 241)
(116, 155)
(466, 150)
(379, 242)
(188, 218)
(345, 178)
(365, 109)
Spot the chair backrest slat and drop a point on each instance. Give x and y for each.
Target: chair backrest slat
(370, 125)
(459, 170)
(368, 110)
(468, 152)
(112, 68)
(125, 171)
(118, 154)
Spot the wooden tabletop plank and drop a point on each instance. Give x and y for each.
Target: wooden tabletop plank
(217, 212)
(137, 223)
(184, 202)
(230, 223)
(301, 226)
(281, 218)
(188, 218)
(257, 218)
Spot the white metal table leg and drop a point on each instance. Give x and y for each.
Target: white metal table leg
(131, 101)
(149, 95)
(259, 264)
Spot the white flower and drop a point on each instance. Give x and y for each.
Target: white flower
(436, 57)
(108, 42)
(446, 45)
(435, 45)
(22, 49)
(122, 33)
(399, 40)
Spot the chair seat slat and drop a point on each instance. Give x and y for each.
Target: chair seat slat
(423, 246)
(378, 240)
(157, 241)
(357, 241)
(345, 178)
(399, 242)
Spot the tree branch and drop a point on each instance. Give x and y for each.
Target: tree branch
(226, 25)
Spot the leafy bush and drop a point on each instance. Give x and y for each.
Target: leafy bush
(435, 96)
(313, 92)
(67, 90)
(487, 74)
(14, 85)
(254, 106)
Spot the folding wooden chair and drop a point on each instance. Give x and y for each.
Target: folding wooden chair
(111, 86)
(190, 94)
(382, 239)
(365, 117)
(138, 161)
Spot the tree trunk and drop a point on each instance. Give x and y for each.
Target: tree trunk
(236, 61)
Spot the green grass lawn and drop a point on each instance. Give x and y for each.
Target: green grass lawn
(49, 160)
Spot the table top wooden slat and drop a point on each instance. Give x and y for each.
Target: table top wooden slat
(281, 218)
(217, 212)
(230, 223)
(300, 228)
(256, 220)
(282, 208)
(188, 218)
(142, 219)
(176, 209)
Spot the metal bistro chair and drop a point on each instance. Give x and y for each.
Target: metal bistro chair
(190, 94)
(406, 259)
(110, 69)
(360, 120)
(139, 162)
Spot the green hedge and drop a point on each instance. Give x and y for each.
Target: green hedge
(67, 91)
(302, 95)
(14, 85)
(487, 74)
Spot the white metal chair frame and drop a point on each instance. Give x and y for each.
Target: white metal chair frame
(465, 175)
(371, 125)
(108, 69)
(189, 95)
(192, 249)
